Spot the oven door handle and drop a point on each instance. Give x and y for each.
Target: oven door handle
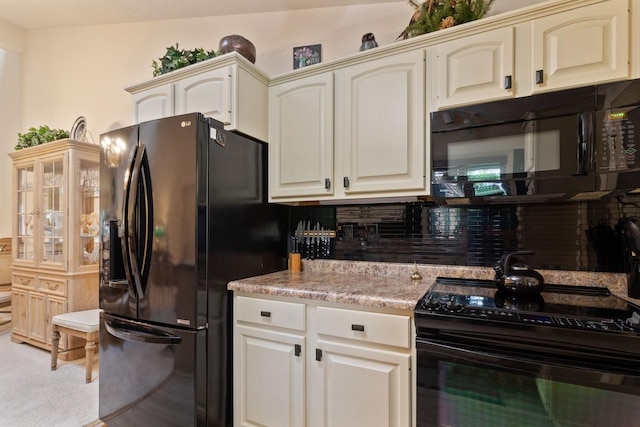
(595, 371)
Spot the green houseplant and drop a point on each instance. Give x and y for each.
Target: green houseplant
(176, 58)
(38, 136)
(433, 15)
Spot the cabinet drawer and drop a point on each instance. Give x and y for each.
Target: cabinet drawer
(260, 311)
(379, 328)
(52, 286)
(24, 281)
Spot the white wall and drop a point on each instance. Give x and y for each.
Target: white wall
(13, 41)
(81, 71)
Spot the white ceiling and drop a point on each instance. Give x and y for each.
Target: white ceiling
(35, 14)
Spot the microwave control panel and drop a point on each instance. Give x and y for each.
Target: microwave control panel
(619, 149)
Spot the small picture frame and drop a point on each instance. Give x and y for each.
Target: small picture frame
(304, 56)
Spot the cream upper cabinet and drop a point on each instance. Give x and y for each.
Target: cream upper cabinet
(154, 103)
(227, 88)
(301, 135)
(351, 132)
(582, 46)
(207, 93)
(475, 68)
(569, 48)
(380, 126)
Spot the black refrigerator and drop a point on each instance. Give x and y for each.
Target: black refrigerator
(183, 211)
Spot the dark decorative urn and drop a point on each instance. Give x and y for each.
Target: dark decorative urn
(237, 43)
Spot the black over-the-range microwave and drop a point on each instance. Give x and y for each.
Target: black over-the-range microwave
(575, 144)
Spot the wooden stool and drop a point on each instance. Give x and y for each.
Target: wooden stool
(83, 324)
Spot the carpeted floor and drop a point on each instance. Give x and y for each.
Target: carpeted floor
(32, 395)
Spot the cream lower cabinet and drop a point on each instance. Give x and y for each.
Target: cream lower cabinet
(269, 362)
(357, 131)
(359, 368)
(227, 88)
(336, 366)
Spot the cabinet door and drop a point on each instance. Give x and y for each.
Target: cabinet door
(207, 93)
(301, 137)
(269, 372)
(26, 214)
(380, 125)
(475, 69)
(55, 306)
(37, 316)
(153, 103)
(361, 386)
(85, 205)
(19, 310)
(52, 224)
(583, 46)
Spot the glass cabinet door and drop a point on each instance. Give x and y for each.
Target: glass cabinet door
(26, 214)
(89, 198)
(52, 212)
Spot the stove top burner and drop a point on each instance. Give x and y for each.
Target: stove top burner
(575, 307)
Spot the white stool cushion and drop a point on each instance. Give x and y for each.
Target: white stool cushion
(87, 320)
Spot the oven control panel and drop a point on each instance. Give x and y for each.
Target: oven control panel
(452, 306)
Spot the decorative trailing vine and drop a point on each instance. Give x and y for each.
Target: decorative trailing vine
(176, 58)
(38, 136)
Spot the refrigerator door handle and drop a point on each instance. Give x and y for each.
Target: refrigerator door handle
(140, 333)
(129, 249)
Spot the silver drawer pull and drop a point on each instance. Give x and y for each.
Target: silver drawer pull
(355, 327)
(265, 313)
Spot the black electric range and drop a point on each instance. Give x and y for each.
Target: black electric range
(561, 318)
(484, 358)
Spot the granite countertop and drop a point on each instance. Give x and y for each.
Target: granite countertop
(389, 285)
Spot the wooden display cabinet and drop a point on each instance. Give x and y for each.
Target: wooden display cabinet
(55, 239)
